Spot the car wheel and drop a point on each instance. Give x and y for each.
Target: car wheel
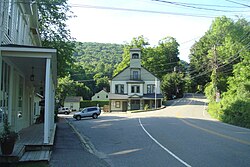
(78, 117)
(66, 113)
(95, 116)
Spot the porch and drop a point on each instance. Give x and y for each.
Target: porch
(30, 147)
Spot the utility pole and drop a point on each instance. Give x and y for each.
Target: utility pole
(214, 75)
(215, 68)
(155, 90)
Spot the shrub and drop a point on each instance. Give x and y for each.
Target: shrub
(89, 103)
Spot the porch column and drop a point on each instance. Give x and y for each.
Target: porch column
(141, 104)
(11, 115)
(129, 104)
(47, 105)
(52, 110)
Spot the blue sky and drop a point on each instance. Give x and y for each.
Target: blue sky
(113, 21)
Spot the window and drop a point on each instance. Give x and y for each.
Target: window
(4, 90)
(97, 97)
(135, 89)
(17, 25)
(91, 109)
(135, 56)
(151, 88)
(119, 89)
(107, 96)
(9, 17)
(117, 104)
(135, 75)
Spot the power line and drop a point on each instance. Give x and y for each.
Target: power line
(238, 3)
(195, 7)
(140, 10)
(208, 5)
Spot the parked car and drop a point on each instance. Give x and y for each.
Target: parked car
(93, 112)
(64, 110)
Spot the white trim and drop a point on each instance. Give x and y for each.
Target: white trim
(27, 49)
(47, 102)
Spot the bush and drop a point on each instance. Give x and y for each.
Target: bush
(215, 110)
(238, 113)
(89, 103)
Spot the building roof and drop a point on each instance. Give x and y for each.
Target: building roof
(73, 99)
(152, 96)
(117, 96)
(24, 46)
(113, 96)
(129, 67)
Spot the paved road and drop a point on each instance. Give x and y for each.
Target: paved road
(182, 134)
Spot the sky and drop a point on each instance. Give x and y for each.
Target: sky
(118, 21)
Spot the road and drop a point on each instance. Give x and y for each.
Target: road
(182, 134)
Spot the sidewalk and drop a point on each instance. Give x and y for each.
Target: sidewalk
(68, 151)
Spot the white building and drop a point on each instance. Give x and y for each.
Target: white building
(134, 88)
(100, 96)
(26, 68)
(73, 102)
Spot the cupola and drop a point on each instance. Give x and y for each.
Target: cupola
(135, 58)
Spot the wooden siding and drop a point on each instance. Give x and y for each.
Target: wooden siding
(124, 77)
(20, 32)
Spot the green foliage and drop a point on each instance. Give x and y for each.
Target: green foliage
(223, 54)
(146, 107)
(7, 134)
(89, 103)
(159, 60)
(163, 58)
(98, 58)
(238, 113)
(54, 32)
(215, 110)
(67, 87)
(137, 42)
(95, 63)
(210, 92)
(172, 85)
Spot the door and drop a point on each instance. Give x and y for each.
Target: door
(135, 104)
(18, 97)
(124, 106)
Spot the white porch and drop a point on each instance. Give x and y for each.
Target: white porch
(19, 88)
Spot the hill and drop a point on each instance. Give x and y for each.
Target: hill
(98, 58)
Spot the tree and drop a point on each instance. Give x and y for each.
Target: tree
(65, 87)
(102, 83)
(68, 87)
(137, 42)
(163, 58)
(228, 69)
(54, 33)
(172, 85)
(217, 49)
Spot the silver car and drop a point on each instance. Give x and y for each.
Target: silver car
(64, 110)
(93, 112)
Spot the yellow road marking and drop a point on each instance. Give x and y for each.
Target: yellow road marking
(178, 115)
(216, 133)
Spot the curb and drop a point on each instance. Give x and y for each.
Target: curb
(83, 141)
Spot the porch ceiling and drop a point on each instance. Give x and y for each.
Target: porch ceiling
(25, 57)
(25, 65)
